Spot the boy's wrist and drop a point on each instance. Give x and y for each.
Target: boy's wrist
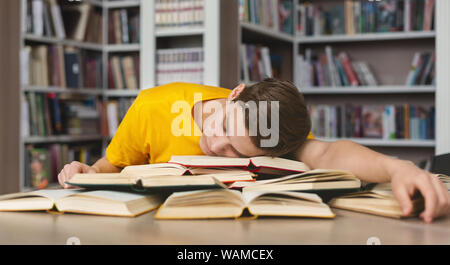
(95, 168)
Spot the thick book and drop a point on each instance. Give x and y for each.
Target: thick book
(259, 164)
(112, 203)
(378, 199)
(214, 204)
(161, 183)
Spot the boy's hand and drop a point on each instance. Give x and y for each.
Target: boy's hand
(406, 178)
(70, 170)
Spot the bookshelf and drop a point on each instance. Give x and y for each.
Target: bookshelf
(375, 48)
(101, 93)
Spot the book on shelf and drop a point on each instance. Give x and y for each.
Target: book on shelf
(256, 63)
(259, 164)
(51, 114)
(405, 121)
(110, 203)
(422, 69)
(163, 176)
(327, 70)
(124, 26)
(123, 72)
(58, 66)
(211, 204)
(277, 15)
(44, 18)
(180, 65)
(356, 17)
(172, 14)
(44, 162)
(326, 183)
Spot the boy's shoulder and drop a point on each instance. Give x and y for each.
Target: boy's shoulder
(179, 91)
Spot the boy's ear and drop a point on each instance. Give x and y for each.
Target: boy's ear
(236, 91)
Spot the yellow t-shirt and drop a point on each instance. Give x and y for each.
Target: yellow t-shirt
(145, 134)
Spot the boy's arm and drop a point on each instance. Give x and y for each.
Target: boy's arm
(371, 166)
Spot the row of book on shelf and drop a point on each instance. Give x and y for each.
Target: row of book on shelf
(51, 114)
(258, 62)
(80, 21)
(179, 13)
(274, 14)
(124, 26)
(179, 65)
(373, 121)
(355, 17)
(322, 70)
(58, 66)
(202, 187)
(46, 18)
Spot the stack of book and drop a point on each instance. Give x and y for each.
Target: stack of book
(197, 187)
(123, 72)
(387, 122)
(275, 14)
(43, 163)
(50, 114)
(334, 71)
(256, 63)
(202, 187)
(53, 65)
(179, 13)
(355, 17)
(123, 26)
(179, 65)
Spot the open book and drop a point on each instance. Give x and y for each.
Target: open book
(99, 202)
(378, 199)
(145, 183)
(232, 204)
(326, 183)
(260, 164)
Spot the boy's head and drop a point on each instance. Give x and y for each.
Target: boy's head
(277, 106)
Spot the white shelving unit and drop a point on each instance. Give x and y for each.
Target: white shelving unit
(440, 93)
(210, 33)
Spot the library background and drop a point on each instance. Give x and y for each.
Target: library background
(375, 72)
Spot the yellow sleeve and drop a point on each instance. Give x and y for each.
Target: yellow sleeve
(128, 146)
(310, 136)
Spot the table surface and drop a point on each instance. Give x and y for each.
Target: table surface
(346, 228)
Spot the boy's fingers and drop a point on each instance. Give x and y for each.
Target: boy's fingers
(427, 190)
(403, 198)
(442, 195)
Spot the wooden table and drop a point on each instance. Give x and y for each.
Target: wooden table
(346, 228)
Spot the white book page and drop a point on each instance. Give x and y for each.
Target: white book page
(113, 195)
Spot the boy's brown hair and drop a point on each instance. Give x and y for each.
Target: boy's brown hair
(294, 119)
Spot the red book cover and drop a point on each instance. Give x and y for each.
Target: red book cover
(345, 60)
